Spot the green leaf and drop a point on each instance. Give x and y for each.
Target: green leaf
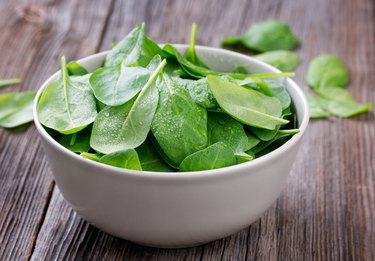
(91, 156)
(67, 104)
(316, 110)
(247, 106)
(265, 135)
(75, 68)
(126, 126)
(280, 134)
(6, 82)
(190, 54)
(266, 36)
(150, 159)
(223, 128)
(128, 50)
(327, 70)
(126, 159)
(150, 48)
(218, 155)
(279, 91)
(239, 69)
(339, 102)
(283, 60)
(118, 84)
(76, 142)
(199, 92)
(16, 109)
(180, 125)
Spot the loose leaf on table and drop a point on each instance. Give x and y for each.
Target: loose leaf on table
(218, 155)
(339, 102)
(76, 142)
(91, 156)
(127, 159)
(283, 60)
(67, 104)
(316, 110)
(150, 159)
(6, 82)
(128, 50)
(246, 105)
(16, 109)
(118, 84)
(180, 125)
(223, 128)
(126, 126)
(190, 54)
(327, 70)
(75, 68)
(266, 36)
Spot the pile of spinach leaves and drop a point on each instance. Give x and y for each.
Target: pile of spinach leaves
(155, 109)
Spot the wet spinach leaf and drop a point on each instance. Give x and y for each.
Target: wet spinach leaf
(76, 142)
(127, 159)
(150, 159)
(283, 60)
(16, 109)
(180, 125)
(280, 134)
(266, 36)
(67, 104)
(126, 126)
(247, 106)
(218, 155)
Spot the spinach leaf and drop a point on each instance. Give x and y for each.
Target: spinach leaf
(279, 91)
(6, 82)
(223, 128)
(76, 142)
(126, 126)
(128, 50)
(67, 104)
(190, 54)
(16, 109)
(218, 155)
(316, 110)
(280, 134)
(150, 48)
(118, 84)
(91, 156)
(283, 60)
(247, 106)
(199, 92)
(327, 70)
(239, 69)
(75, 68)
(266, 36)
(180, 125)
(150, 159)
(127, 159)
(265, 135)
(339, 102)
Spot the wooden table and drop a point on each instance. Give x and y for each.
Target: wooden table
(327, 211)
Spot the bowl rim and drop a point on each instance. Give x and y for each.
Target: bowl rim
(183, 175)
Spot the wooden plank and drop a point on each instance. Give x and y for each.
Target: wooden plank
(327, 210)
(33, 36)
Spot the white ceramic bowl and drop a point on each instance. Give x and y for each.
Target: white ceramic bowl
(175, 209)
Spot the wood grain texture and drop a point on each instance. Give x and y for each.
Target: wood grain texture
(327, 211)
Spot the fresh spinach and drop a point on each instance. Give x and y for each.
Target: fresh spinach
(75, 68)
(91, 156)
(6, 82)
(283, 60)
(247, 106)
(150, 159)
(190, 54)
(239, 69)
(76, 142)
(67, 104)
(180, 125)
(316, 110)
(327, 70)
(218, 155)
(16, 109)
(266, 36)
(126, 126)
(127, 159)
